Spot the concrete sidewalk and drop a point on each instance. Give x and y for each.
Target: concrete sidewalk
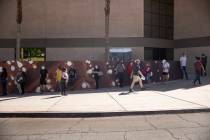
(172, 96)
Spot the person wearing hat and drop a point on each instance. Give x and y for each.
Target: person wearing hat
(136, 75)
(166, 68)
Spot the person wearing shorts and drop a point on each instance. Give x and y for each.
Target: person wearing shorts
(135, 75)
(165, 73)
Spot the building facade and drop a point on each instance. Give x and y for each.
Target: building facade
(75, 29)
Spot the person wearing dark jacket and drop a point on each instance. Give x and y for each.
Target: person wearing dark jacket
(120, 69)
(4, 81)
(43, 79)
(96, 75)
(20, 82)
(72, 77)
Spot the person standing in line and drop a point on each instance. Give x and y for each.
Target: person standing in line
(43, 79)
(166, 68)
(64, 81)
(58, 78)
(136, 76)
(3, 77)
(198, 69)
(130, 69)
(204, 63)
(120, 69)
(72, 77)
(148, 73)
(96, 75)
(183, 65)
(20, 81)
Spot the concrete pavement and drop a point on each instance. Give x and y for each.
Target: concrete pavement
(174, 95)
(194, 126)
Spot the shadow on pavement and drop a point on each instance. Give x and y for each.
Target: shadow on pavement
(169, 86)
(52, 97)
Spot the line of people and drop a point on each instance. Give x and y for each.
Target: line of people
(66, 78)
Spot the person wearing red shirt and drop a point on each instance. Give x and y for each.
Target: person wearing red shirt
(198, 68)
(130, 68)
(148, 73)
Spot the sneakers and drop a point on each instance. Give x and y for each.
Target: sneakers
(131, 90)
(143, 88)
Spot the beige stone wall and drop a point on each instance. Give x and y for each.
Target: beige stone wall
(75, 54)
(191, 18)
(85, 53)
(6, 54)
(7, 19)
(72, 18)
(191, 53)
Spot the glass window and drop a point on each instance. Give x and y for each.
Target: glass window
(34, 54)
(159, 15)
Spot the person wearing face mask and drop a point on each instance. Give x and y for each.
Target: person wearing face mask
(43, 79)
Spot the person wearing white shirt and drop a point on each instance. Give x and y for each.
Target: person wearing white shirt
(64, 81)
(183, 65)
(166, 68)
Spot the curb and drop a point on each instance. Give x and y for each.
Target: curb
(95, 114)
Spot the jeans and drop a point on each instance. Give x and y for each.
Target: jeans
(184, 72)
(63, 87)
(120, 76)
(197, 78)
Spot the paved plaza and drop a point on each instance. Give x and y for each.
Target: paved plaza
(155, 127)
(174, 95)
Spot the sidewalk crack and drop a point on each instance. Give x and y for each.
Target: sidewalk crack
(189, 120)
(204, 106)
(172, 135)
(124, 109)
(150, 123)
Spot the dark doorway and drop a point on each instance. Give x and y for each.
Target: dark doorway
(158, 53)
